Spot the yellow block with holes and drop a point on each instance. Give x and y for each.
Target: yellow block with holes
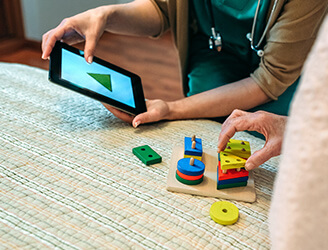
(193, 156)
(224, 213)
(239, 148)
(230, 161)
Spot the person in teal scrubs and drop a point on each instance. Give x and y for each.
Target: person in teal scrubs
(218, 82)
(208, 68)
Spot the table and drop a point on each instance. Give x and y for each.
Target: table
(69, 178)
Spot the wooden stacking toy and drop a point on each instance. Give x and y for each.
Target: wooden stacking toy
(190, 171)
(231, 171)
(193, 148)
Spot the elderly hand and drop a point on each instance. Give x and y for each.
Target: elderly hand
(272, 126)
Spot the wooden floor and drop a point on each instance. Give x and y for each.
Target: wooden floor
(154, 60)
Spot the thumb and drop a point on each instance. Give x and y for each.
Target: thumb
(89, 49)
(141, 119)
(258, 158)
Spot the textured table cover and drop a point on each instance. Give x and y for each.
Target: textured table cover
(69, 179)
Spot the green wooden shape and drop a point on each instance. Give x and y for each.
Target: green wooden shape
(238, 184)
(147, 155)
(103, 79)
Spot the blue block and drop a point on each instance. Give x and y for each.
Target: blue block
(184, 167)
(197, 151)
(235, 180)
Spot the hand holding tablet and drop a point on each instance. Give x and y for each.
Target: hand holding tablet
(100, 80)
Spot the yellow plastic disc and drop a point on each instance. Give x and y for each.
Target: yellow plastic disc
(224, 212)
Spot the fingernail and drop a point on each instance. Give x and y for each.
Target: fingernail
(90, 59)
(136, 124)
(249, 166)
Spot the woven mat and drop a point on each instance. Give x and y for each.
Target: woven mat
(69, 178)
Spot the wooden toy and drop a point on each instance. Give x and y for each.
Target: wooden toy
(189, 177)
(147, 155)
(232, 185)
(231, 173)
(224, 212)
(230, 161)
(193, 146)
(188, 182)
(208, 187)
(238, 148)
(193, 156)
(185, 167)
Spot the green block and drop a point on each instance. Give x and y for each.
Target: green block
(147, 155)
(238, 184)
(103, 79)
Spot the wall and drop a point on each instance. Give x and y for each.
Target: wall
(41, 15)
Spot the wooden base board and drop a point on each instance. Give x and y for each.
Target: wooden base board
(209, 184)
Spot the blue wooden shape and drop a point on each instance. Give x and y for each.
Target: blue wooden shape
(185, 168)
(197, 151)
(235, 180)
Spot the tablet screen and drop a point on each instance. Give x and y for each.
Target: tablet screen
(96, 78)
(100, 80)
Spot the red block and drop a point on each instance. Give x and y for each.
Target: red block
(231, 173)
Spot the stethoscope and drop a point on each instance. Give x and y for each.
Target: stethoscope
(215, 40)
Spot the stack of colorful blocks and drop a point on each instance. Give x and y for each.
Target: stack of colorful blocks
(193, 148)
(190, 169)
(231, 172)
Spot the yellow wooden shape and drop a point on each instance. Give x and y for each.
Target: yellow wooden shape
(193, 156)
(239, 148)
(230, 161)
(224, 212)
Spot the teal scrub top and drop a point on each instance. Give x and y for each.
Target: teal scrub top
(233, 19)
(208, 69)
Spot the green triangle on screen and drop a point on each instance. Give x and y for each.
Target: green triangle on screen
(103, 79)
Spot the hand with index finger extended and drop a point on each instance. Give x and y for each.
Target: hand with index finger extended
(272, 126)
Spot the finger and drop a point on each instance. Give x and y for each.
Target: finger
(89, 48)
(50, 41)
(143, 118)
(259, 157)
(237, 121)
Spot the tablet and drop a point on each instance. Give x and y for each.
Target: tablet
(100, 80)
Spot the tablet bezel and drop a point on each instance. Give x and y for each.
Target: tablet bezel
(55, 77)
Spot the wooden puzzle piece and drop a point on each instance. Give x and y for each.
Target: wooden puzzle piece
(189, 177)
(190, 149)
(230, 161)
(147, 155)
(232, 185)
(231, 173)
(189, 182)
(224, 212)
(193, 156)
(196, 169)
(239, 148)
(231, 181)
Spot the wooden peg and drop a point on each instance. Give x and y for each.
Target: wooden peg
(193, 145)
(193, 138)
(192, 161)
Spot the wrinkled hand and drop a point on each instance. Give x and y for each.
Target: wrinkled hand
(272, 126)
(156, 110)
(88, 26)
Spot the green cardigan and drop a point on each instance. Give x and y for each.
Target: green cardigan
(291, 34)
